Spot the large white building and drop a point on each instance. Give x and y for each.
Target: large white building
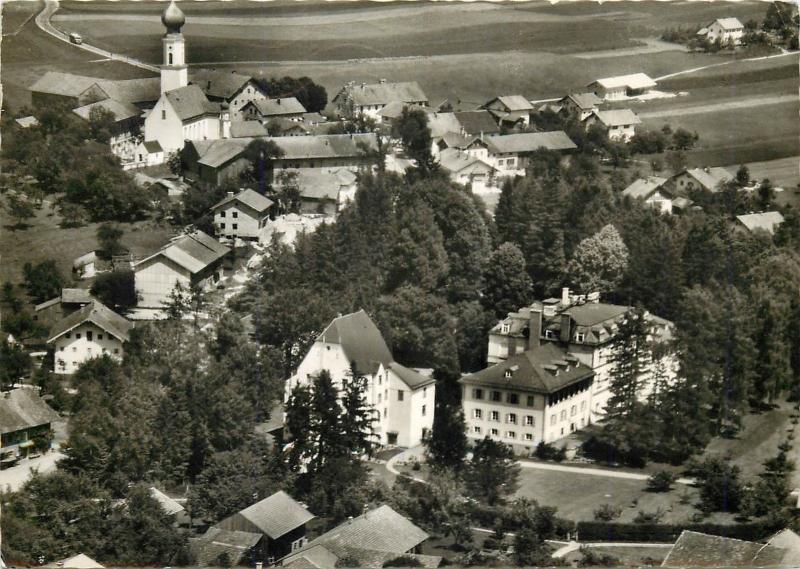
(402, 399)
(726, 30)
(90, 332)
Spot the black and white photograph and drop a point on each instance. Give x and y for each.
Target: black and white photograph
(332, 284)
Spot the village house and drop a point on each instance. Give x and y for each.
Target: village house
(171, 507)
(237, 548)
(767, 221)
(56, 88)
(325, 151)
(90, 332)
(149, 153)
(580, 104)
(709, 179)
(509, 153)
(694, 549)
(212, 162)
(586, 328)
(248, 129)
(192, 260)
(510, 110)
(371, 540)
(266, 109)
(620, 124)
(728, 31)
(125, 128)
(467, 169)
(85, 266)
(477, 123)
(324, 191)
(241, 215)
(70, 300)
(622, 87)
(651, 190)
(368, 99)
(279, 520)
(232, 88)
(401, 399)
(25, 425)
(539, 395)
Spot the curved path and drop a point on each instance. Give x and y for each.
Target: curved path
(44, 24)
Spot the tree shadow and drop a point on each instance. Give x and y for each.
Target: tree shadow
(18, 226)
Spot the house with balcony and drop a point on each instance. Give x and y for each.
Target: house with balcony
(728, 31)
(538, 395)
(401, 399)
(25, 425)
(586, 328)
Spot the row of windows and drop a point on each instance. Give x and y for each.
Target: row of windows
(497, 396)
(89, 335)
(234, 214)
(508, 434)
(511, 418)
(88, 350)
(234, 226)
(572, 412)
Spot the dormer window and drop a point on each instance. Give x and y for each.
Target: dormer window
(506, 328)
(580, 337)
(549, 334)
(508, 374)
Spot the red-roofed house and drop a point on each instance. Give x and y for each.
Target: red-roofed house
(401, 398)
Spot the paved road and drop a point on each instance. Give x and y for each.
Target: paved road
(725, 106)
(43, 21)
(13, 478)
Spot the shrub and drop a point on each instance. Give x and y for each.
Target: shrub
(594, 559)
(403, 561)
(661, 481)
(633, 532)
(546, 451)
(649, 517)
(607, 513)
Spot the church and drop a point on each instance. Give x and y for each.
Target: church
(187, 111)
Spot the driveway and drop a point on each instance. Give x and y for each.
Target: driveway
(608, 473)
(13, 478)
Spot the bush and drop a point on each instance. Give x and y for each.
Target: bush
(661, 481)
(649, 517)
(633, 532)
(607, 513)
(546, 451)
(594, 559)
(403, 561)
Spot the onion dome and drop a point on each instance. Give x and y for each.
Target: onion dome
(173, 18)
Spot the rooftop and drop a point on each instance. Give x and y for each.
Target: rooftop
(243, 129)
(455, 160)
(709, 178)
(767, 221)
(729, 23)
(277, 107)
(190, 102)
(23, 409)
(322, 184)
(619, 117)
(383, 93)
(643, 188)
(248, 197)
(277, 515)
(120, 110)
(360, 339)
(477, 122)
(632, 81)
(207, 548)
(529, 142)
(512, 103)
(695, 549)
(194, 252)
(219, 84)
(584, 101)
(99, 315)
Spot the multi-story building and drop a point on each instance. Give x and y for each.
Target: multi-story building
(368, 99)
(586, 328)
(242, 215)
(25, 421)
(726, 30)
(539, 395)
(90, 332)
(402, 399)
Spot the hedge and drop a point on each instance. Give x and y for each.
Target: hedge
(668, 533)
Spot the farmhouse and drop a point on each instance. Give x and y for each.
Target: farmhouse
(325, 151)
(278, 519)
(90, 332)
(241, 215)
(367, 99)
(508, 153)
(401, 399)
(322, 190)
(539, 395)
(768, 221)
(234, 89)
(248, 129)
(373, 538)
(192, 260)
(510, 110)
(465, 168)
(124, 130)
(616, 88)
(25, 421)
(585, 327)
(581, 104)
(265, 109)
(708, 179)
(651, 190)
(212, 162)
(619, 124)
(477, 123)
(70, 300)
(79, 90)
(694, 549)
(240, 547)
(288, 127)
(728, 31)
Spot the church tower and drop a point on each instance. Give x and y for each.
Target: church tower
(174, 73)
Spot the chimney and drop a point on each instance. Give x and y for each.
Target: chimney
(230, 194)
(566, 328)
(565, 296)
(535, 328)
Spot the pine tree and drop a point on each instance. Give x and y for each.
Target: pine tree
(329, 442)
(493, 473)
(630, 356)
(446, 446)
(504, 212)
(507, 284)
(357, 419)
(298, 427)
(544, 238)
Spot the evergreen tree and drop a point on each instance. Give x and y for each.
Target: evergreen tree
(507, 284)
(629, 359)
(544, 238)
(504, 212)
(446, 445)
(298, 428)
(357, 419)
(493, 473)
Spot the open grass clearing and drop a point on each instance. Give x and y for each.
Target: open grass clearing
(44, 239)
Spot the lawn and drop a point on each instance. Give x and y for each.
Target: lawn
(43, 239)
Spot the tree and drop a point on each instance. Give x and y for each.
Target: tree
(720, 488)
(676, 161)
(507, 284)
(298, 426)
(599, 262)
(357, 415)
(630, 355)
(109, 236)
(15, 363)
(101, 123)
(661, 481)
(446, 446)
(43, 281)
(682, 139)
(311, 95)
(493, 473)
(743, 175)
(260, 154)
(607, 513)
(766, 195)
(116, 289)
(530, 549)
(20, 208)
(415, 135)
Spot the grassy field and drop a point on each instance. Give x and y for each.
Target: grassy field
(43, 239)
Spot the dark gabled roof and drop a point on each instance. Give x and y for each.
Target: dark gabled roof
(545, 369)
(383, 93)
(360, 339)
(219, 84)
(593, 313)
(99, 315)
(243, 129)
(324, 145)
(217, 153)
(643, 188)
(529, 142)
(120, 110)
(250, 198)
(65, 84)
(695, 549)
(584, 101)
(23, 409)
(512, 103)
(413, 379)
(207, 548)
(76, 296)
(152, 146)
(322, 184)
(189, 102)
(194, 252)
(477, 122)
(279, 106)
(126, 90)
(381, 529)
(277, 515)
